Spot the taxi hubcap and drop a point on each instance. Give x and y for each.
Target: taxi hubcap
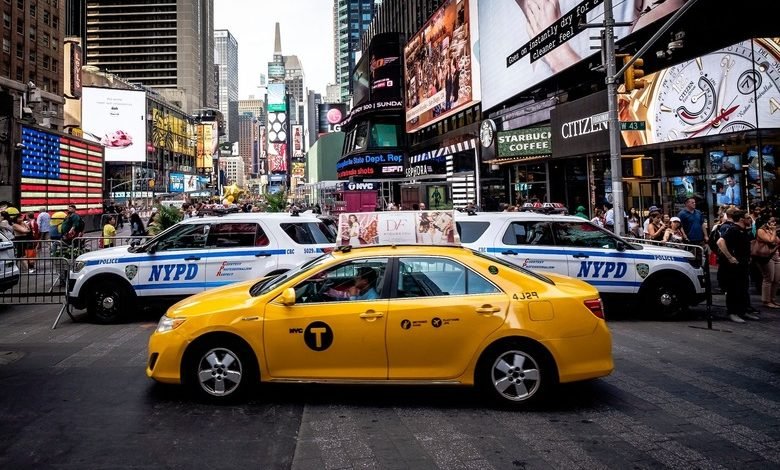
(219, 372)
(515, 375)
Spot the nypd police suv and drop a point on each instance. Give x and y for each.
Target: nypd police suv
(192, 256)
(666, 279)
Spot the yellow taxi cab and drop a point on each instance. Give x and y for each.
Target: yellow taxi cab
(388, 314)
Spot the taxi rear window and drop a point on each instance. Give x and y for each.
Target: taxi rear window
(470, 232)
(309, 233)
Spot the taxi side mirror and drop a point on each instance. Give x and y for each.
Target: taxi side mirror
(288, 297)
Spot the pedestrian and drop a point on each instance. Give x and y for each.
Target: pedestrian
(55, 231)
(22, 238)
(767, 238)
(109, 233)
(44, 223)
(6, 227)
(675, 233)
(734, 245)
(73, 225)
(656, 228)
(693, 223)
(137, 228)
(598, 218)
(647, 221)
(609, 217)
(581, 213)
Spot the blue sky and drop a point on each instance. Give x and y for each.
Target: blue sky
(307, 31)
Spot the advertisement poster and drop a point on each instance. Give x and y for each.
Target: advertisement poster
(276, 99)
(739, 94)
(297, 141)
(401, 228)
(441, 71)
(523, 44)
(176, 183)
(769, 175)
(385, 68)
(208, 143)
(116, 119)
(173, 133)
(726, 171)
(277, 158)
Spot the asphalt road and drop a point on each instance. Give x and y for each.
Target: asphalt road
(681, 397)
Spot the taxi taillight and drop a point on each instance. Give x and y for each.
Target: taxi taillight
(596, 307)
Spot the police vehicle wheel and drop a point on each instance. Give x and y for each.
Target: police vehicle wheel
(220, 371)
(664, 301)
(108, 304)
(516, 375)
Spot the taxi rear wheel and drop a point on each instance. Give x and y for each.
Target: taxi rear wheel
(108, 304)
(220, 371)
(515, 374)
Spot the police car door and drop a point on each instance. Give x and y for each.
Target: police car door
(530, 244)
(593, 257)
(174, 264)
(238, 251)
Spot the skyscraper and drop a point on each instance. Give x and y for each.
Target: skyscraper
(350, 19)
(226, 58)
(166, 46)
(296, 87)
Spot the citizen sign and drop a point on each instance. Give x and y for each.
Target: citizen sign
(585, 126)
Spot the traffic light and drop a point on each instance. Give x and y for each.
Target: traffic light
(634, 73)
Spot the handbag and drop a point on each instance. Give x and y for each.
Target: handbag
(760, 249)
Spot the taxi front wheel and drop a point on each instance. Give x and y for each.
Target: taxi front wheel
(514, 374)
(220, 371)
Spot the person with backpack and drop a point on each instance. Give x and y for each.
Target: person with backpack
(718, 229)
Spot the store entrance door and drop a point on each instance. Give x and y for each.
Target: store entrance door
(642, 194)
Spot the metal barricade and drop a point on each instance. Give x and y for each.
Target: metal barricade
(701, 252)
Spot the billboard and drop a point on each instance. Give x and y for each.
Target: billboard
(378, 165)
(276, 97)
(385, 68)
(297, 141)
(521, 46)
(741, 92)
(330, 115)
(277, 157)
(172, 132)
(58, 170)
(441, 71)
(117, 120)
(208, 144)
(277, 127)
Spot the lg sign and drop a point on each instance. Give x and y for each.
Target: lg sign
(331, 115)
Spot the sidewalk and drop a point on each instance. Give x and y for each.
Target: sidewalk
(719, 303)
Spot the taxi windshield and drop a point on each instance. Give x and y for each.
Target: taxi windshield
(271, 283)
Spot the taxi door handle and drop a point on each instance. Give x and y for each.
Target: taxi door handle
(508, 253)
(192, 258)
(372, 314)
(580, 256)
(488, 309)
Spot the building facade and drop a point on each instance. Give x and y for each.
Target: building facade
(350, 19)
(168, 47)
(226, 59)
(234, 170)
(31, 77)
(256, 107)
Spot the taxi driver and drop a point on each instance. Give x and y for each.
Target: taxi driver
(365, 285)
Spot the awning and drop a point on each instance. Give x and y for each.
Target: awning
(443, 151)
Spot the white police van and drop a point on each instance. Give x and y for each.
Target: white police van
(192, 256)
(666, 279)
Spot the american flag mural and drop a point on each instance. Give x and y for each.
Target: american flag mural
(59, 170)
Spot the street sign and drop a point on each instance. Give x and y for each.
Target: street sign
(632, 125)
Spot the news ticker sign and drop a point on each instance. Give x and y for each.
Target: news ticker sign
(382, 165)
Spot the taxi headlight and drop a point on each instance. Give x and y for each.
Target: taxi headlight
(169, 324)
(78, 266)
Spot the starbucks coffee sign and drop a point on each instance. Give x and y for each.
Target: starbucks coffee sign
(536, 141)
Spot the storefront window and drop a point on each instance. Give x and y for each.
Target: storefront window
(529, 182)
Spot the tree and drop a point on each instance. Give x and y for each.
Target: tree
(276, 202)
(166, 217)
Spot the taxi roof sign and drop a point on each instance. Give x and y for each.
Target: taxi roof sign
(429, 227)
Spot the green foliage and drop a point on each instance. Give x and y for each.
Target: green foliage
(166, 217)
(276, 202)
